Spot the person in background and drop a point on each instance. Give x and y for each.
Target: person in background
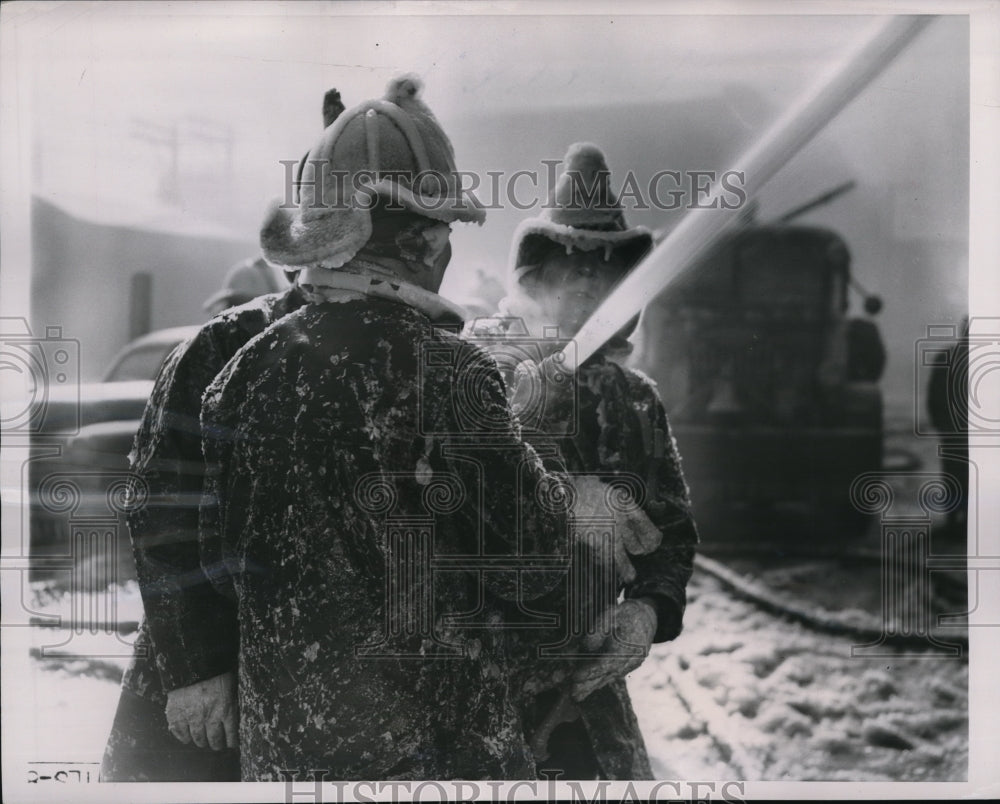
(948, 405)
(244, 282)
(563, 264)
(254, 277)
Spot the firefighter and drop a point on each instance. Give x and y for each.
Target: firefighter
(562, 266)
(244, 282)
(947, 400)
(346, 458)
(185, 643)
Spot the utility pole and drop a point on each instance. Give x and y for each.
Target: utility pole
(214, 133)
(163, 136)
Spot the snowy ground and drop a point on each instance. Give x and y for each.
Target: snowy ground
(741, 694)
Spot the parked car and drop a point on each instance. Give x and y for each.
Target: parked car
(141, 359)
(80, 459)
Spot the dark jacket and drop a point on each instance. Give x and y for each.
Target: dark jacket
(623, 429)
(188, 633)
(620, 429)
(373, 511)
(185, 630)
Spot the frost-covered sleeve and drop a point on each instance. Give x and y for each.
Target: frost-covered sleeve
(244, 393)
(217, 445)
(190, 625)
(663, 574)
(517, 506)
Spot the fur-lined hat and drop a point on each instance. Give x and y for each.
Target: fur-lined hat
(583, 213)
(392, 149)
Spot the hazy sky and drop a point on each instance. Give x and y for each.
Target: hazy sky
(98, 78)
(654, 89)
(182, 58)
(94, 69)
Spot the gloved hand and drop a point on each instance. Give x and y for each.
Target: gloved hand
(626, 636)
(205, 713)
(635, 534)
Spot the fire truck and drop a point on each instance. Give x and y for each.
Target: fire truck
(771, 386)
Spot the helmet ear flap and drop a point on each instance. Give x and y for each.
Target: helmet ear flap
(292, 242)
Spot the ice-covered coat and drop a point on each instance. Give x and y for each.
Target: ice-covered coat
(618, 427)
(188, 633)
(622, 428)
(369, 473)
(186, 620)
